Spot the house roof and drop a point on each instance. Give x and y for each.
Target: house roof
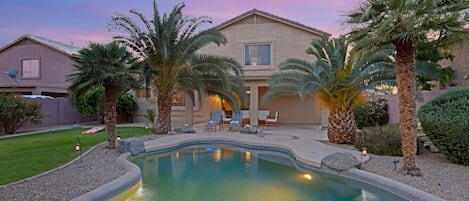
(270, 16)
(61, 47)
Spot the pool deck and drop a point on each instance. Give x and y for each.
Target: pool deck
(304, 141)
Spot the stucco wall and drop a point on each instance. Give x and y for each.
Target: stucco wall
(286, 42)
(460, 63)
(394, 103)
(54, 66)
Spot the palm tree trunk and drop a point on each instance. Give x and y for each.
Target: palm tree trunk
(110, 114)
(407, 106)
(163, 125)
(342, 128)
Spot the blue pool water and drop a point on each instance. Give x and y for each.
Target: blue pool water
(232, 173)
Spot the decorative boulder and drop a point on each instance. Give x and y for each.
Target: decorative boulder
(133, 145)
(186, 129)
(340, 161)
(248, 130)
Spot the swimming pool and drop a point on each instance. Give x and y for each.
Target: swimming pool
(228, 172)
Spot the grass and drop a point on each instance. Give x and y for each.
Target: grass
(25, 156)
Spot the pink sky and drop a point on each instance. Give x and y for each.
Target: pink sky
(81, 21)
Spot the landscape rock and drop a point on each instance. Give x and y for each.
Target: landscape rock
(340, 161)
(248, 130)
(185, 129)
(133, 145)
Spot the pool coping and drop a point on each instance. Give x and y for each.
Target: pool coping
(133, 175)
(117, 186)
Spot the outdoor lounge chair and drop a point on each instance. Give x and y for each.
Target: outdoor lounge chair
(214, 121)
(272, 122)
(237, 120)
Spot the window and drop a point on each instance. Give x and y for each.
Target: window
(258, 54)
(30, 68)
(142, 93)
(178, 99)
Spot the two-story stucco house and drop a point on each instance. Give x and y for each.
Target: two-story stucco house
(41, 66)
(260, 41)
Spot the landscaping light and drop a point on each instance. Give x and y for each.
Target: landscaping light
(364, 153)
(146, 127)
(118, 138)
(78, 149)
(395, 163)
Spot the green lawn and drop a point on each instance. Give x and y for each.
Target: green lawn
(26, 156)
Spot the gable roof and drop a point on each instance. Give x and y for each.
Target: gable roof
(61, 47)
(270, 16)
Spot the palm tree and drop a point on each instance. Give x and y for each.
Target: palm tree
(401, 23)
(335, 79)
(108, 65)
(169, 46)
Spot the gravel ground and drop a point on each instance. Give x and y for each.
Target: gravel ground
(440, 177)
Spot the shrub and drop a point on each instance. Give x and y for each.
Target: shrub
(375, 112)
(445, 121)
(126, 104)
(92, 103)
(15, 112)
(385, 140)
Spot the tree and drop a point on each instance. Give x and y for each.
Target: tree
(168, 45)
(428, 54)
(402, 23)
(108, 65)
(335, 79)
(16, 112)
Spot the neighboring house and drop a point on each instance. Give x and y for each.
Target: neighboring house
(41, 66)
(259, 41)
(460, 63)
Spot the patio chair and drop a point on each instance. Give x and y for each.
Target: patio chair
(272, 122)
(237, 120)
(214, 121)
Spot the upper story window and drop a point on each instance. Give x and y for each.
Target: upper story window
(257, 54)
(30, 68)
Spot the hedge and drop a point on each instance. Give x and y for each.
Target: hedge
(445, 120)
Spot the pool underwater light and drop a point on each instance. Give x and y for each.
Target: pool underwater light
(308, 177)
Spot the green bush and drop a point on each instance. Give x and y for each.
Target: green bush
(15, 112)
(126, 104)
(445, 121)
(385, 140)
(92, 103)
(375, 112)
